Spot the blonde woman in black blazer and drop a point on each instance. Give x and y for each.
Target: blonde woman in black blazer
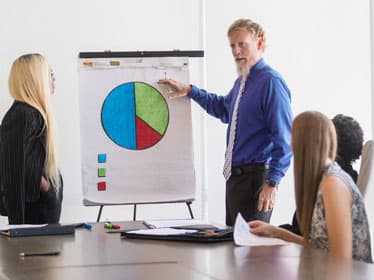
(30, 181)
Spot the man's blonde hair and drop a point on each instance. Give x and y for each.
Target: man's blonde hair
(30, 82)
(254, 28)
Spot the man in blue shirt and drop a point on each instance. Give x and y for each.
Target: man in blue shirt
(258, 136)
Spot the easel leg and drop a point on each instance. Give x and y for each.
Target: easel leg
(189, 208)
(134, 216)
(99, 215)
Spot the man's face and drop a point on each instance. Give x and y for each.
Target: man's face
(245, 49)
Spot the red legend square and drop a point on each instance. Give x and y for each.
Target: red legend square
(101, 186)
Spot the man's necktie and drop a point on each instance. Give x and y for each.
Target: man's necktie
(230, 146)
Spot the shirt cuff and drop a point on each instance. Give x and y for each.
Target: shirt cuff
(194, 91)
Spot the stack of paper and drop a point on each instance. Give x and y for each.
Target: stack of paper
(161, 231)
(173, 223)
(9, 227)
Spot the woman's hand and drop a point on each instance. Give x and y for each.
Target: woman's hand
(44, 185)
(262, 229)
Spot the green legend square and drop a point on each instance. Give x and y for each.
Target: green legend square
(101, 172)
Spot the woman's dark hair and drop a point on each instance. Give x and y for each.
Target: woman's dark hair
(350, 138)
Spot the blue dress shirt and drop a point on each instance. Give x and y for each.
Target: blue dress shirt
(264, 121)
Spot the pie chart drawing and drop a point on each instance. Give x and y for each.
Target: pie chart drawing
(135, 115)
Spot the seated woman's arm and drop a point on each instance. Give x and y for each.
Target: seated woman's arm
(264, 229)
(337, 200)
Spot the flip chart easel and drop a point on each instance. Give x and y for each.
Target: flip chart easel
(101, 206)
(108, 66)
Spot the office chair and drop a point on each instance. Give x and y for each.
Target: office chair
(366, 166)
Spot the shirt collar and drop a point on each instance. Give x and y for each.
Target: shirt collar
(258, 66)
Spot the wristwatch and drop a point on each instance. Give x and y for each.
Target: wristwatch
(271, 183)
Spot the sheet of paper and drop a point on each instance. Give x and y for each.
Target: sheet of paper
(162, 231)
(173, 223)
(243, 237)
(8, 227)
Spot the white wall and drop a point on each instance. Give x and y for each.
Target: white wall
(322, 48)
(60, 30)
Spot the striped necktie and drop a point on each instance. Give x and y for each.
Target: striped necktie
(230, 145)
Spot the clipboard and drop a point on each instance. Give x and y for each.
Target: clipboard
(51, 229)
(201, 236)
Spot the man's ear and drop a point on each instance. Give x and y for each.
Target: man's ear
(260, 43)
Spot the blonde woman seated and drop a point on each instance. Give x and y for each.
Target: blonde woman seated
(330, 210)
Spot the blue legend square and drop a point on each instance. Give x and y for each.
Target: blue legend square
(101, 158)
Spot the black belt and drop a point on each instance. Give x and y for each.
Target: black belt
(248, 168)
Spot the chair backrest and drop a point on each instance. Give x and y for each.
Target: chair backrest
(366, 166)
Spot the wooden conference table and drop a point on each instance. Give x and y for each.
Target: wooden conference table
(97, 254)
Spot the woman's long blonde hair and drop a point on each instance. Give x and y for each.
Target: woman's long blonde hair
(30, 81)
(313, 144)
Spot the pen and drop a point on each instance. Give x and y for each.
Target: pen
(36, 254)
(87, 226)
(109, 225)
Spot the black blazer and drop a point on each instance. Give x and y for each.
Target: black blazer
(22, 160)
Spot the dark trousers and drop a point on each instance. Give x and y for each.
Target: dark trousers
(242, 192)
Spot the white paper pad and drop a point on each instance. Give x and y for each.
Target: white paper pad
(173, 223)
(162, 231)
(8, 227)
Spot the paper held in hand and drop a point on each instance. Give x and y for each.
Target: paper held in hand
(243, 237)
